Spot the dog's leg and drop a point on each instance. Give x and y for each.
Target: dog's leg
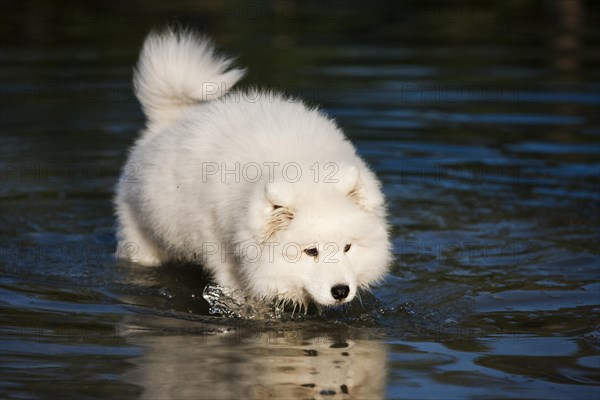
(221, 267)
(134, 245)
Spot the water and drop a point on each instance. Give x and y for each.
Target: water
(482, 123)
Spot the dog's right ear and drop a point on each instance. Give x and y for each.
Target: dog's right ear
(363, 191)
(279, 212)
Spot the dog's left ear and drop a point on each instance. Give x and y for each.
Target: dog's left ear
(364, 192)
(278, 211)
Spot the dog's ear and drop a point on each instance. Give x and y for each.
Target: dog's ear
(275, 198)
(349, 183)
(365, 193)
(279, 212)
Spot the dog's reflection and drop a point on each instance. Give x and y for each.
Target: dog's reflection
(266, 365)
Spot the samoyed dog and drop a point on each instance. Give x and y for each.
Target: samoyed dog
(267, 193)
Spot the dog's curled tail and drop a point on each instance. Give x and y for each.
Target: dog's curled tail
(178, 69)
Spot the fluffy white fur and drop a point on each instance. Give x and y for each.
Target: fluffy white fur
(214, 179)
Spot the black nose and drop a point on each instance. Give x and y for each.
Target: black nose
(340, 292)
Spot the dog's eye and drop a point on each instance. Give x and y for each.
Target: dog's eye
(312, 251)
(347, 247)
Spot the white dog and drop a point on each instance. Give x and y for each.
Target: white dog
(267, 193)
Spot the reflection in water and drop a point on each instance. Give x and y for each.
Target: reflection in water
(282, 365)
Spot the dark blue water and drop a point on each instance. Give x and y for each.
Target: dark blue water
(481, 121)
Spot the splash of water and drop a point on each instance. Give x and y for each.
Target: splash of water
(234, 303)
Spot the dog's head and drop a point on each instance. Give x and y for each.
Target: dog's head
(319, 240)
